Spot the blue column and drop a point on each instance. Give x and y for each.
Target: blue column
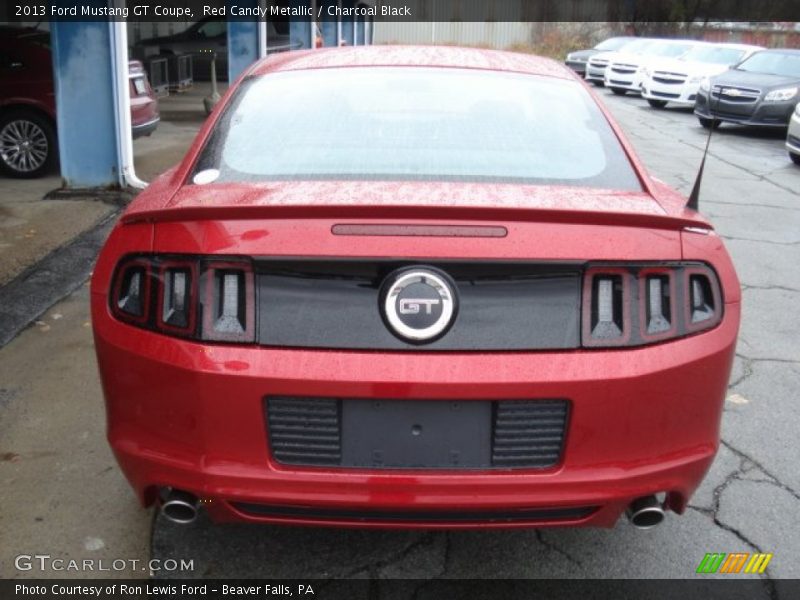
(242, 42)
(85, 103)
(361, 25)
(348, 29)
(300, 29)
(328, 24)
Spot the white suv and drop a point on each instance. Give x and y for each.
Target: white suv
(626, 72)
(677, 80)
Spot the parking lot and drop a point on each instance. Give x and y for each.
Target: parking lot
(62, 494)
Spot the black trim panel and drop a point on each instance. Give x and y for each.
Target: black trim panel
(427, 516)
(336, 305)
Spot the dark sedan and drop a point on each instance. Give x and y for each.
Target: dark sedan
(577, 60)
(761, 91)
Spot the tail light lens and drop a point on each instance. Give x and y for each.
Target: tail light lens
(163, 293)
(131, 291)
(634, 305)
(177, 297)
(228, 302)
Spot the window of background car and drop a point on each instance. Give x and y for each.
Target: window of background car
(637, 46)
(715, 55)
(669, 49)
(774, 63)
(612, 44)
(429, 124)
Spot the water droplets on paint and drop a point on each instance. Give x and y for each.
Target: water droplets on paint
(206, 176)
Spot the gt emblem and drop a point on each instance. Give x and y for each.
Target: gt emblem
(410, 306)
(418, 305)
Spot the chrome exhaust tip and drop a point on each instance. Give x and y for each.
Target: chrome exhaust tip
(645, 512)
(180, 507)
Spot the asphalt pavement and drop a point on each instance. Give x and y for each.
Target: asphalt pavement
(51, 427)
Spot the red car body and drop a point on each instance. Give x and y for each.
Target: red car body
(190, 415)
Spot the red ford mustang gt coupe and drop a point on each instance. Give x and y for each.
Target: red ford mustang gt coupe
(413, 287)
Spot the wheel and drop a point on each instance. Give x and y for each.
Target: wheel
(598, 83)
(656, 103)
(795, 158)
(618, 91)
(708, 123)
(27, 144)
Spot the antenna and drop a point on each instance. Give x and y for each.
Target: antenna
(694, 196)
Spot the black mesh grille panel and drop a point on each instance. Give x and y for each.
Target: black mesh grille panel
(528, 433)
(522, 434)
(305, 431)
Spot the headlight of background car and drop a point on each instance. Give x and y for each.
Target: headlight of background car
(705, 84)
(797, 109)
(781, 95)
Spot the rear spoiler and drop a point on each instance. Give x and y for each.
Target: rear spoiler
(417, 213)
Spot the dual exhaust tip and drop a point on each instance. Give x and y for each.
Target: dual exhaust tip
(645, 512)
(181, 507)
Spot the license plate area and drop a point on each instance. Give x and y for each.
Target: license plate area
(413, 434)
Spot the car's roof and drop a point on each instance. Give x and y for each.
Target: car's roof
(413, 56)
(792, 51)
(734, 46)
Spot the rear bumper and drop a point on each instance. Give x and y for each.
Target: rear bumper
(190, 416)
(146, 128)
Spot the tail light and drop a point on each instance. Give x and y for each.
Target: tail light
(131, 292)
(191, 297)
(213, 299)
(634, 305)
(228, 302)
(176, 297)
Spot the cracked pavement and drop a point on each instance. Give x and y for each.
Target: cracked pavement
(748, 502)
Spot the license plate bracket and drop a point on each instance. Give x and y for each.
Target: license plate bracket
(416, 434)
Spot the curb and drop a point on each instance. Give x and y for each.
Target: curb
(31, 293)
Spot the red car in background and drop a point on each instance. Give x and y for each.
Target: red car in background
(28, 146)
(413, 287)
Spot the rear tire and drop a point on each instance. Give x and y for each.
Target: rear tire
(708, 123)
(656, 103)
(27, 144)
(619, 91)
(795, 158)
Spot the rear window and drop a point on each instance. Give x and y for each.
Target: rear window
(420, 124)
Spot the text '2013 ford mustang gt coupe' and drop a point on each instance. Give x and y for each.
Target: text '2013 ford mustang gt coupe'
(413, 287)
